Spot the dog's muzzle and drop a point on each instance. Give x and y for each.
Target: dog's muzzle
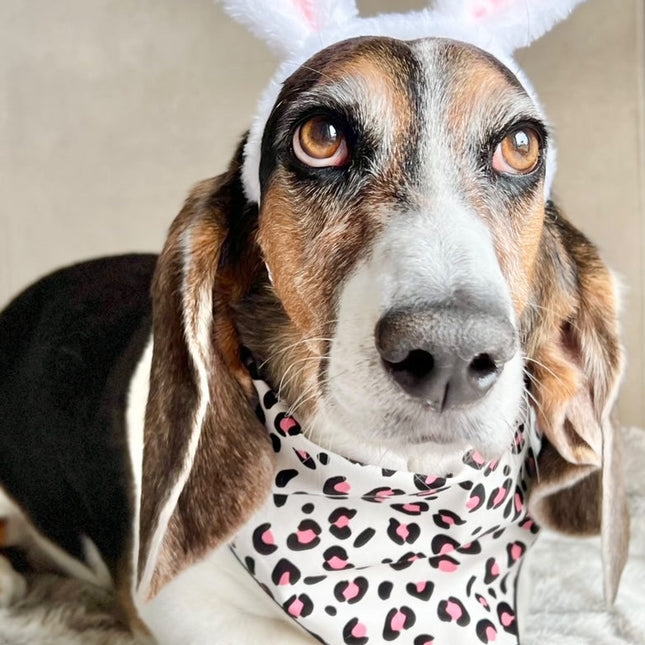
(448, 356)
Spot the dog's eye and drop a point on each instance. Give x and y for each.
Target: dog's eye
(320, 143)
(518, 153)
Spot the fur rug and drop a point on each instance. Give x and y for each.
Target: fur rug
(567, 607)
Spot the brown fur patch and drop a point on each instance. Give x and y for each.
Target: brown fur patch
(482, 90)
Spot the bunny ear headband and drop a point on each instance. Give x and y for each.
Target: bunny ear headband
(297, 29)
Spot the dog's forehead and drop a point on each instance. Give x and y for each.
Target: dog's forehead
(429, 69)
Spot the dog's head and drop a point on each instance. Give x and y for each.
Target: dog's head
(400, 278)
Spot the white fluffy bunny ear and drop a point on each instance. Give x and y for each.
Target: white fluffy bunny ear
(285, 25)
(511, 24)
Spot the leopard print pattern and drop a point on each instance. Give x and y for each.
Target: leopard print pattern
(361, 554)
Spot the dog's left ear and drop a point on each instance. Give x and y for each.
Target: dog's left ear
(575, 362)
(207, 460)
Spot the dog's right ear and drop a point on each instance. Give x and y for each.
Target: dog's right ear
(207, 461)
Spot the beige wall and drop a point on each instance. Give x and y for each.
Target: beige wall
(110, 110)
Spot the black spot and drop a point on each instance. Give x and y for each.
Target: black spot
(364, 537)
(269, 399)
(385, 590)
(259, 540)
(389, 634)
(313, 580)
(284, 477)
(421, 590)
(486, 631)
(448, 609)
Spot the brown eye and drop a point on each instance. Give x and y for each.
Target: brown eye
(319, 143)
(518, 153)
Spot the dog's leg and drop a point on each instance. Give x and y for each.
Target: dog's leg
(12, 585)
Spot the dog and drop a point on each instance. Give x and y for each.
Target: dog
(405, 288)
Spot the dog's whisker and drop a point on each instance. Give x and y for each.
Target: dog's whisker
(544, 367)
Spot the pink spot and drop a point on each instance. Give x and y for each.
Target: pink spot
(473, 502)
(411, 508)
(453, 610)
(447, 548)
(342, 487)
(431, 479)
(516, 552)
(359, 631)
(528, 525)
(384, 494)
(491, 634)
(448, 520)
(336, 563)
(477, 458)
(518, 502)
(287, 424)
(403, 532)
(305, 537)
(447, 566)
(495, 569)
(267, 537)
(398, 621)
(351, 591)
(501, 496)
(303, 453)
(296, 607)
(482, 602)
(285, 579)
(421, 586)
(507, 619)
(342, 522)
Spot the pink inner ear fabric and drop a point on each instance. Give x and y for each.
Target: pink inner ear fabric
(485, 8)
(307, 10)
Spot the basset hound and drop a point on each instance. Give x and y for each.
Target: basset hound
(403, 300)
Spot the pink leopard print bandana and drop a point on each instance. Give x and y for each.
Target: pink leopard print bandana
(360, 554)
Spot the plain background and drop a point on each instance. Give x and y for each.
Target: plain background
(111, 109)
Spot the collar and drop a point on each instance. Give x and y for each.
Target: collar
(361, 554)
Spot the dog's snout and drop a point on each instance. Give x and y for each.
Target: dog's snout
(445, 355)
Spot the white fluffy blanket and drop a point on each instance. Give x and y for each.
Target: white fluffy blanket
(567, 606)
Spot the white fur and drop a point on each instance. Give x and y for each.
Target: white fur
(135, 423)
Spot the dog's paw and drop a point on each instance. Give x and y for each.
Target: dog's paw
(13, 586)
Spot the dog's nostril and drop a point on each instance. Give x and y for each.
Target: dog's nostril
(417, 364)
(483, 367)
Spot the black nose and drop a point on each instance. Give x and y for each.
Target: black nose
(446, 356)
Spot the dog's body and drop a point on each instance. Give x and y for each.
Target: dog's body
(401, 276)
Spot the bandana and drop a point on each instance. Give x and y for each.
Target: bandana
(359, 554)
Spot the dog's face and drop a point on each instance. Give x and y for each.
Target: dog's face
(400, 276)
(402, 208)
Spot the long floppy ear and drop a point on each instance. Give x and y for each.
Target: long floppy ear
(575, 361)
(207, 461)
